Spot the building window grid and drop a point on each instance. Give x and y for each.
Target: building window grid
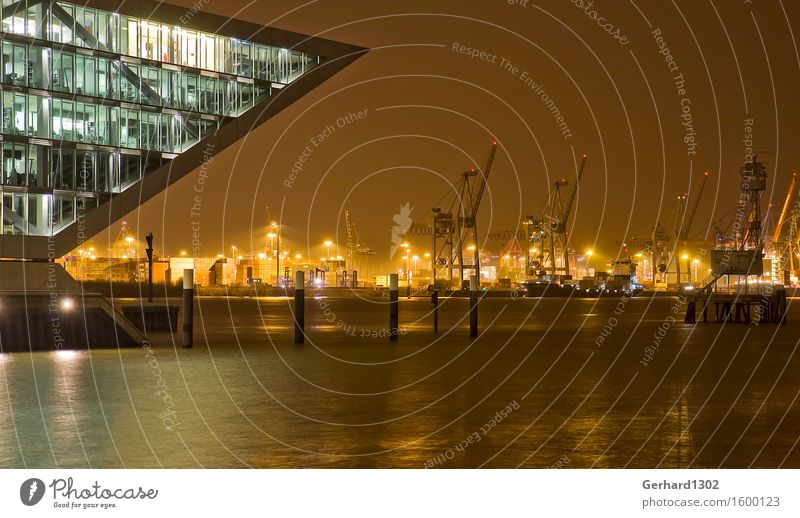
(76, 179)
(165, 43)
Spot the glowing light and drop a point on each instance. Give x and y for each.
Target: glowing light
(129, 239)
(183, 253)
(67, 304)
(589, 252)
(262, 256)
(65, 354)
(328, 243)
(684, 257)
(298, 256)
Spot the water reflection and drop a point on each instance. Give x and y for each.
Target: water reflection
(343, 401)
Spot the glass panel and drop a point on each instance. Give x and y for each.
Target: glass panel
(63, 211)
(38, 214)
(86, 170)
(14, 221)
(130, 90)
(129, 171)
(37, 165)
(14, 164)
(63, 71)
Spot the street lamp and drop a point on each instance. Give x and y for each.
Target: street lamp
(428, 257)
(685, 257)
(695, 263)
(328, 244)
(408, 273)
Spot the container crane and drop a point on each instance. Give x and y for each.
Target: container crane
(473, 186)
(552, 234)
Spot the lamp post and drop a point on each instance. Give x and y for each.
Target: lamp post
(233, 256)
(277, 231)
(408, 276)
(685, 257)
(695, 263)
(328, 244)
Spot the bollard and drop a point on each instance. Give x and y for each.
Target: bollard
(435, 301)
(473, 305)
(393, 320)
(149, 250)
(299, 307)
(188, 307)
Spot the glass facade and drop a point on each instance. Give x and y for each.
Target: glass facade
(93, 100)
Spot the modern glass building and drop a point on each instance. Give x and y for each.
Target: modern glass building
(95, 100)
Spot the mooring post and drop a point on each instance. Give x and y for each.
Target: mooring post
(393, 305)
(188, 307)
(299, 307)
(473, 305)
(149, 251)
(435, 300)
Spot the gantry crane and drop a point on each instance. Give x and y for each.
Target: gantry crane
(448, 233)
(472, 187)
(784, 242)
(548, 236)
(684, 220)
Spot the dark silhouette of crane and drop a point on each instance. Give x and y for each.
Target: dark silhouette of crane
(550, 232)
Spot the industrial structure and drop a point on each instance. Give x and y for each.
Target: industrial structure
(456, 225)
(548, 237)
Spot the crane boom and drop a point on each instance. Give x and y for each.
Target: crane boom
(789, 195)
(484, 179)
(688, 223)
(571, 201)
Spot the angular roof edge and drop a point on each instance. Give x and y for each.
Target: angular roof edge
(194, 18)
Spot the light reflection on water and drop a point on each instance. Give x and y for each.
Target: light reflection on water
(256, 399)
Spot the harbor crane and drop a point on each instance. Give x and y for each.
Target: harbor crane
(684, 220)
(448, 233)
(473, 185)
(550, 232)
